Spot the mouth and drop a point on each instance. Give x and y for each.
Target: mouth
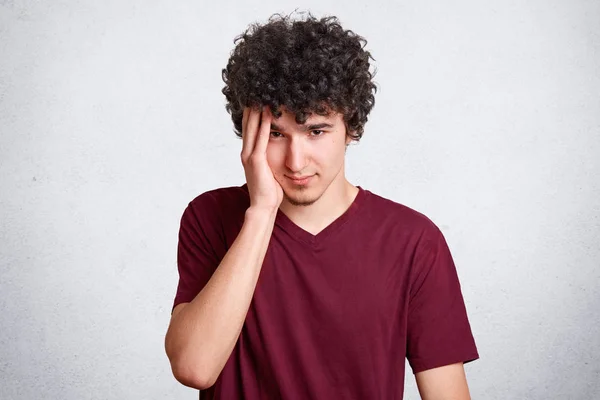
(302, 180)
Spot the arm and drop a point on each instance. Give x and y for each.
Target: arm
(203, 333)
(443, 383)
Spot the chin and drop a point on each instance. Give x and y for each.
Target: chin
(302, 197)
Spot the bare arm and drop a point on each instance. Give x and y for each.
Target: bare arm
(444, 383)
(203, 333)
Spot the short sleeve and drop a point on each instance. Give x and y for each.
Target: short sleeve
(198, 247)
(438, 329)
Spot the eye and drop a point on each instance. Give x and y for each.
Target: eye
(275, 134)
(319, 133)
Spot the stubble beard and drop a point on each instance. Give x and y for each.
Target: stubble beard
(300, 198)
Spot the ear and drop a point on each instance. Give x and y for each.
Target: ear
(348, 139)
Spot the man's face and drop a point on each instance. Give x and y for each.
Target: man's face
(315, 150)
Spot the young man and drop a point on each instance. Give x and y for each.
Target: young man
(298, 284)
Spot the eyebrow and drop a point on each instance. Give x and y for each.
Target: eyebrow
(306, 128)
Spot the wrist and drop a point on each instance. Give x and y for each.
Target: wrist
(257, 212)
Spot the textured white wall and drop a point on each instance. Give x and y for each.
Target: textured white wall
(112, 119)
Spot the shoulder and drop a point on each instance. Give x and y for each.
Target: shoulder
(222, 196)
(217, 206)
(231, 197)
(398, 216)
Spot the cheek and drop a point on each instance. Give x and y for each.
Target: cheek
(331, 153)
(273, 157)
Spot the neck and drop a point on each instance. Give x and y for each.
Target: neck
(333, 203)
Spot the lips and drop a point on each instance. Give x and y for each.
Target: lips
(300, 180)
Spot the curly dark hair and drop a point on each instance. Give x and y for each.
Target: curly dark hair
(307, 65)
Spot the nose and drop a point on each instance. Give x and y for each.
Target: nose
(297, 156)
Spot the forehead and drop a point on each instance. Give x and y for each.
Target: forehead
(288, 119)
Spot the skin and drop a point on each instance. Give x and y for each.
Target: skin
(443, 383)
(296, 150)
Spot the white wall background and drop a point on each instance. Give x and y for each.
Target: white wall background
(111, 120)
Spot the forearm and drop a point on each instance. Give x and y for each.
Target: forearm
(448, 382)
(203, 334)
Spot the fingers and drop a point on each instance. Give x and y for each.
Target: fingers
(245, 118)
(249, 134)
(247, 140)
(244, 124)
(264, 132)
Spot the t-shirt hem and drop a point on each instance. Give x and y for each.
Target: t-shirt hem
(179, 300)
(420, 366)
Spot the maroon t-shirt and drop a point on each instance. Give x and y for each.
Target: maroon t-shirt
(334, 315)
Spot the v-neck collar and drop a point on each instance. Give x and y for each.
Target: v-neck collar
(285, 223)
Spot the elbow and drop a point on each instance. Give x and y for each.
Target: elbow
(191, 376)
(187, 371)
